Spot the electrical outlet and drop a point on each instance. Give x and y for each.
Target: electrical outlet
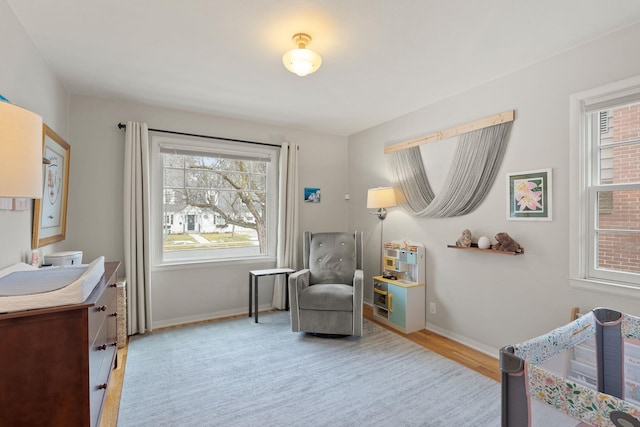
(432, 307)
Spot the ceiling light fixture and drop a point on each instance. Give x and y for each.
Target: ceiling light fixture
(302, 61)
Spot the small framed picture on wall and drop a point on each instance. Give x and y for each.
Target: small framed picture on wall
(529, 195)
(311, 195)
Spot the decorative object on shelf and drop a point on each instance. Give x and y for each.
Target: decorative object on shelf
(464, 240)
(505, 243)
(50, 212)
(312, 195)
(529, 195)
(484, 242)
(301, 61)
(20, 152)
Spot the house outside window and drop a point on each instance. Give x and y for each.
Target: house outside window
(605, 235)
(218, 200)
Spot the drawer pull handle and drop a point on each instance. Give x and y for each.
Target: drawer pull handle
(102, 386)
(113, 315)
(113, 285)
(101, 308)
(101, 347)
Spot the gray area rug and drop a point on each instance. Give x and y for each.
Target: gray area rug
(238, 373)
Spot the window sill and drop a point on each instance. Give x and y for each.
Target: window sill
(207, 263)
(611, 288)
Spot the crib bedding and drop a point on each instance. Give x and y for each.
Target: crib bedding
(23, 287)
(588, 370)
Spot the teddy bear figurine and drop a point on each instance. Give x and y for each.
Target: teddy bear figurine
(506, 243)
(465, 239)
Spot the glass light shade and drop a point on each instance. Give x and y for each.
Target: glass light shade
(20, 152)
(301, 61)
(381, 197)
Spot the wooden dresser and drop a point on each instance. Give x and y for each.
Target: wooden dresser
(55, 363)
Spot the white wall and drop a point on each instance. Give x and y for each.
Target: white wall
(96, 220)
(484, 299)
(26, 80)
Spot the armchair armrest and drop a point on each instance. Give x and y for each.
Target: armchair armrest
(358, 299)
(297, 282)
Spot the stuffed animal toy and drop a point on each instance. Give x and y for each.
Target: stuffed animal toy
(506, 243)
(465, 240)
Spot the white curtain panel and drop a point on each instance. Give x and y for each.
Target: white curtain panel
(136, 227)
(287, 245)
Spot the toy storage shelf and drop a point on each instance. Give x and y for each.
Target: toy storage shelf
(474, 247)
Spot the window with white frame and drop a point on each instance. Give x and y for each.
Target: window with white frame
(212, 200)
(606, 187)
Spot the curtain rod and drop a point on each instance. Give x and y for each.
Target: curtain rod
(123, 126)
(496, 119)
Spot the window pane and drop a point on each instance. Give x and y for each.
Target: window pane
(258, 182)
(213, 207)
(619, 251)
(173, 161)
(174, 178)
(619, 144)
(619, 210)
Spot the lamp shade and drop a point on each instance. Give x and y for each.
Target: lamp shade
(20, 152)
(381, 197)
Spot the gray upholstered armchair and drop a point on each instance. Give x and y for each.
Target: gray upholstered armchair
(326, 296)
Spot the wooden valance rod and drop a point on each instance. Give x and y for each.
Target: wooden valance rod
(496, 119)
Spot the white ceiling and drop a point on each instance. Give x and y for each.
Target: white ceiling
(381, 58)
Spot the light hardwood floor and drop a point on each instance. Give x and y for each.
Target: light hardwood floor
(472, 359)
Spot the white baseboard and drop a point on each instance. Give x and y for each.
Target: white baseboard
(489, 351)
(177, 321)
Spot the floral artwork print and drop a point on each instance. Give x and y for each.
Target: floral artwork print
(529, 195)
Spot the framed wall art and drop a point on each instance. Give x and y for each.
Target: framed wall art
(311, 195)
(529, 195)
(50, 212)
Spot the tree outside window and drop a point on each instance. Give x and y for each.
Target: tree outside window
(218, 203)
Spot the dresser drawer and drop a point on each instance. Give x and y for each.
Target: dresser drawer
(105, 306)
(102, 348)
(101, 364)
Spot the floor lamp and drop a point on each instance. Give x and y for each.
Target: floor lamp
(381, 198)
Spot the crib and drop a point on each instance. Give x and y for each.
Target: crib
(586, 373)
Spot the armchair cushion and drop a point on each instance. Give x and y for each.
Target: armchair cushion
(332, 258)
(327, 297)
